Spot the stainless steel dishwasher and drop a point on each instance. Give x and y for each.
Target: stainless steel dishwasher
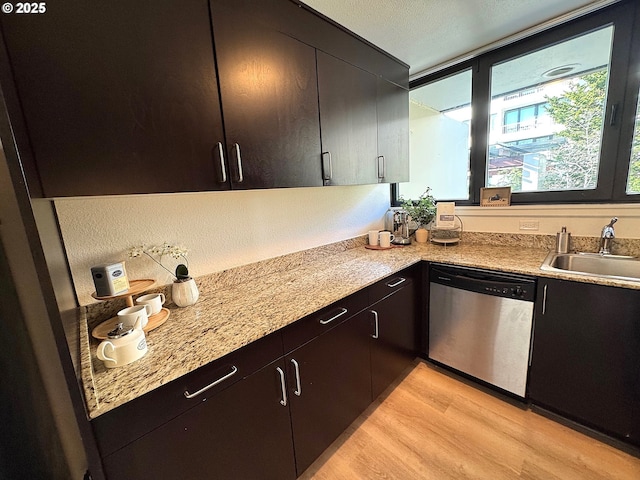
(480, 323)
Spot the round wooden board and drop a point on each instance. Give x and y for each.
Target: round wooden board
(102, 330)
(135, 287)
(378, 247)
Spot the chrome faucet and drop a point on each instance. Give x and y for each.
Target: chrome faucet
(607, 235)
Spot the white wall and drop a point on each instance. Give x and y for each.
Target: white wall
(220, 229)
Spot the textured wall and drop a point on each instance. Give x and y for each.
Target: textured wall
(220, 229)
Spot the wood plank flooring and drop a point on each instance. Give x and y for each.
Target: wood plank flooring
(433, 426)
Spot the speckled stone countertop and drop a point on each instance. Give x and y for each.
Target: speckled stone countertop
(239, 307)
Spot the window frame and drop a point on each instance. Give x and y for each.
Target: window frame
(621, 102)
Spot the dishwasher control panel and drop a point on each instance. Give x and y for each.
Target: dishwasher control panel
(489, 282)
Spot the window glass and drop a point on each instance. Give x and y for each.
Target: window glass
(633, 181)
(552, 103)
(439, 116)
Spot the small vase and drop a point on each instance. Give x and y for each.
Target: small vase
(422, 234)
(184, 293)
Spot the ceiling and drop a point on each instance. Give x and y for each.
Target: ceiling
(429, 34)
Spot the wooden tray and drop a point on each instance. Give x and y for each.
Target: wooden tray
(135, 287)
(378, 247)
(101, 331)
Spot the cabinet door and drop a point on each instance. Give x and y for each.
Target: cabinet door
(329, 386)
(348, 122)
(586, 355)
(393, 133)
(269, 96)
(119, 96)
(242, 432)
(394, 337)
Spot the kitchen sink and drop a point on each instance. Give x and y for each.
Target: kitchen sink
(594, 264)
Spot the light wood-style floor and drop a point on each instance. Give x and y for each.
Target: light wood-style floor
(433, 426)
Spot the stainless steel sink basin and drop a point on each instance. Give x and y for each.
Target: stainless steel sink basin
(594, 264)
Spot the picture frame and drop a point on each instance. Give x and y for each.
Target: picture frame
(495, 197)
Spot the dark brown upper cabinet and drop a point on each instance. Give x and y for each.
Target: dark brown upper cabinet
(269, 97)
(393, 132)
(117, 97)
(157, 96)
(348, 119)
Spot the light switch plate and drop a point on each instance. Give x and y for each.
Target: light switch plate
(529, 225)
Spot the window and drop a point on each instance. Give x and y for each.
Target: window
(553, 101)
(550, 117)
(440, 113)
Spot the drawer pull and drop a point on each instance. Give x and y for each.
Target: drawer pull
(381, 167)
(298, 390)
(223, 170)
(283, 385)
(375, 319)
(329, 320)
(239, 161)
(392, 285)
(233, 371)
(327, 167)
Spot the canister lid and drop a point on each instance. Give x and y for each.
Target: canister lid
(120, 331)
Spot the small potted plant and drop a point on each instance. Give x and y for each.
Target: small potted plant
(421, 211)
(184, 290)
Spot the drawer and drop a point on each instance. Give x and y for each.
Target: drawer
(392, 283)
(311, 326)
(128, 422)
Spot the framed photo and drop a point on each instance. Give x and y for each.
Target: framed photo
(495, 197)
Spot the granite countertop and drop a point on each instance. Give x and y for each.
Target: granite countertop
(230, 317)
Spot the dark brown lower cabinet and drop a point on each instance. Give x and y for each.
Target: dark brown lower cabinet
(586, 355)
(242, 432)
(329, 386)
(273, 421)
(394, 337)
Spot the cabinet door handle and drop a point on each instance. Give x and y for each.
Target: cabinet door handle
(327, 167)
(395, 284)
(544, 299)
(222, 165)
(375, 320)
(298, 390)
(236, 147)
(283, 385)
(381, 167)
(329, 320)
(233, 371)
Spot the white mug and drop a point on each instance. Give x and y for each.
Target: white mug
(129, 315)
(373, 237)
(385, 239)
(154, 300)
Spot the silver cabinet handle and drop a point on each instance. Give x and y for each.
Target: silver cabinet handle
(375, 319)
(401, 280)
(327, 168)
(233, 371)
(544, 299)
(222, 166)
(236, 147)
(298, 389)
(329, 320)
(283, 385)
(381, 166)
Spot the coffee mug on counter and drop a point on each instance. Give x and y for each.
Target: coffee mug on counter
(128, 316)
(154, 300)
(385, 239)
(373, 237)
